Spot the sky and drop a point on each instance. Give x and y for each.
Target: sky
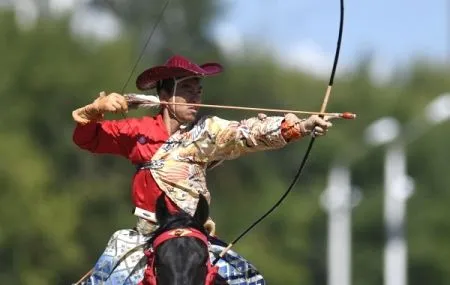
(302, 34)
(395, 30)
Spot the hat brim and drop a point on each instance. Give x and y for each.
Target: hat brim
(150, 77)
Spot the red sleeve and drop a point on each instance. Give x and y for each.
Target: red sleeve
(112, 137)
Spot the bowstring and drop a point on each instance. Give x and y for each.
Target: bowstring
(147, 42)
(142, 52)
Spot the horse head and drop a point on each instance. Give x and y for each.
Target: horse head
(178, 250)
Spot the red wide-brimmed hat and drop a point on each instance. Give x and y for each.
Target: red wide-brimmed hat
(177, 66)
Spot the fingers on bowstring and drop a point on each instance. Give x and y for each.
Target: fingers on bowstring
(116, 106)
(123, 104)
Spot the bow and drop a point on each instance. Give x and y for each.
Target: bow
(312, 141)
(310, 145)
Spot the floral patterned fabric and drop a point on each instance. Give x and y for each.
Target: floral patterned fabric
(179, 166)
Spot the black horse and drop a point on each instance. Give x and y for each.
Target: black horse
(178, 251)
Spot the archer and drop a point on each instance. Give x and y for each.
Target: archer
(171, 152)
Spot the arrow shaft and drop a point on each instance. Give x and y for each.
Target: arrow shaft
(338, 115)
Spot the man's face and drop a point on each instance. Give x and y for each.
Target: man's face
(187, 91)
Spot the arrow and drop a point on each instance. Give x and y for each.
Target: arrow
(140, 100)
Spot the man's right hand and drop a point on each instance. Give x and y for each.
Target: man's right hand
(112, 102)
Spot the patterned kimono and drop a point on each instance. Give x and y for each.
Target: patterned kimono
(176, 165)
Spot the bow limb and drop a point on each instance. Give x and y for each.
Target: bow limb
(336, 59)
(141, 54)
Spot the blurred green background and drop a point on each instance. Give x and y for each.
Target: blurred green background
(59, 205)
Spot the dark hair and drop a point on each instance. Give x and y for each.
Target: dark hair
(166, 85)
(180, 219)
(184, 258)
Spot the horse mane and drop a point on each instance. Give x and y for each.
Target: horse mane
(179, 258)
(181, 219)
(176, 221)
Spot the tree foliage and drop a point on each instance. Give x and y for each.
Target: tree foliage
(60, 204)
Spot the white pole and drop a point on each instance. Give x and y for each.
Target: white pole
(397, 190)
(339, 205)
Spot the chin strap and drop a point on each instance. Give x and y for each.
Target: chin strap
(183, 125)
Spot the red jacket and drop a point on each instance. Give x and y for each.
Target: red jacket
(136, 139)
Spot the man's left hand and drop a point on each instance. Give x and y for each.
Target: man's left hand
(317, 125)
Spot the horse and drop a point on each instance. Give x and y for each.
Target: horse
(177, 253)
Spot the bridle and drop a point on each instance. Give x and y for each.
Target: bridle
(151, 271)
